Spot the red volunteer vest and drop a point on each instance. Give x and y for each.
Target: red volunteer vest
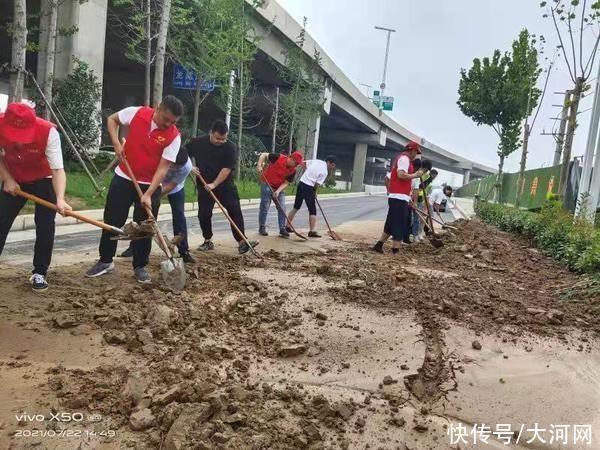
(278, 172)
(29, 162)
(144, 148)
(398, 186)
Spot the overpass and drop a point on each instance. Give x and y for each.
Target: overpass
(351, 126)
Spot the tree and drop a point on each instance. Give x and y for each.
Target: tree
(576, 19)
(303, 99)
(528, 126)
(161, 48)
(19, 50)
(498, 92)
(136, 23)
(212, 38)
(50, 53)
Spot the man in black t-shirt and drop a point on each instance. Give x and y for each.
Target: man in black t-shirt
(215, 158)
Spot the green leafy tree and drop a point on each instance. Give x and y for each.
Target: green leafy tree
(572, 20)
(498, 92)
(213, 37)
(77, 97)
(303, 99)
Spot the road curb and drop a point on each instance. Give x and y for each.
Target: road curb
(27, 221)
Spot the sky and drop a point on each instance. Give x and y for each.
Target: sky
(433, 41)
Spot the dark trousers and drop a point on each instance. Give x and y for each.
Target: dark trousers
(10, 207)
(397, 222)
(230, 199)
(121, 195)
(177, 201)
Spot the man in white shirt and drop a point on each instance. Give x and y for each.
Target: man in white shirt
(315, 175)
(151, 147)
(439, 198)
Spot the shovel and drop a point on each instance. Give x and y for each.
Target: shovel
(172, 270)
(118, 231)
(433, 239)
(226, 214)
(423, 217)
(280, 209)
(332, 234)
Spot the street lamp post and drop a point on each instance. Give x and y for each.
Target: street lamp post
(385, 63)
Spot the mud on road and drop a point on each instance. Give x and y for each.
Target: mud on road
(341, 348)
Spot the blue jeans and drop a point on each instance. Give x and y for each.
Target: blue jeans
(177, 201)
(265, 203)
(416, 223)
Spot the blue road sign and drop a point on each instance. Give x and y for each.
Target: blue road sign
(184, 79)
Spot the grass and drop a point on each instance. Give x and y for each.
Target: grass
(82, 195)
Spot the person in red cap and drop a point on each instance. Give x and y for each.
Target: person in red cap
(151, 148)
(399, 195)
(279, 174)
(31, 161)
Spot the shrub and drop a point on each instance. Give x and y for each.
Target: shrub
(574, 243)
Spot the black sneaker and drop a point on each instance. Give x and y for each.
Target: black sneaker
(244, 248)
(38, 283)
(188, 259)
(378, 248)
(263, 232)
(314, 234)
(284, 233)
(207, 246)
(127, 253)
(288, 229)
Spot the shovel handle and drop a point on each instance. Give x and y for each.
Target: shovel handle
(159, 235)
(280, 208)
(427, 206)
(226, 214)
(47, 204)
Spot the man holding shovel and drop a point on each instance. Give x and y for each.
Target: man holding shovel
(152, 145)
(215, 160)
(173, 187)
(399, 195)
(315, 175)
(31, 161)
(273, 182)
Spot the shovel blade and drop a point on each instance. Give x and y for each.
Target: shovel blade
(173, 273)
(436, 242)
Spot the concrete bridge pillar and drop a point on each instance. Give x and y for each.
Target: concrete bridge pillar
(308, 138)
(466, 176)
(360, 163)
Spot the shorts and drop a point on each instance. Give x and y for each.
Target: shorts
(397, 222)
(306, 193)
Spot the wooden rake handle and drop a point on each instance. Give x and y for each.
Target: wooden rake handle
(47, 204)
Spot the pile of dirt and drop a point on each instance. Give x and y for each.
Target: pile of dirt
(190, 385)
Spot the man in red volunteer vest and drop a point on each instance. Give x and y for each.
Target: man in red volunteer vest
(31, 161)
(151, 146)
(399, 195)
(279, 174)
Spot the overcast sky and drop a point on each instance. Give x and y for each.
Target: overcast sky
(434, 39)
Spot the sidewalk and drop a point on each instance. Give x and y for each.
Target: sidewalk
(26, 221)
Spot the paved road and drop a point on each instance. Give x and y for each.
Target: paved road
(338, 210)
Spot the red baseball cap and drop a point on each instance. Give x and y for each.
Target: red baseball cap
(18, 123)
(412, 145)
(298, 157)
